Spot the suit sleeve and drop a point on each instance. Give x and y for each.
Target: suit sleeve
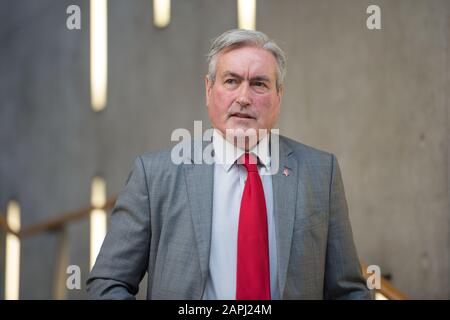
(343, 278)
(123, 258)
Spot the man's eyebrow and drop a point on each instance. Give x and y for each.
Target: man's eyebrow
(256, 78)
(232, 74)
(261, 78)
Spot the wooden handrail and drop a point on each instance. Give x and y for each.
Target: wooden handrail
(55, 222)
(387, 289)
(390, 292)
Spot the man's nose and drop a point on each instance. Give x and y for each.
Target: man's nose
(243, 97)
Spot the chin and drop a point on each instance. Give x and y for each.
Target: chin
(243, 125)
(242, 131)
(242, 128)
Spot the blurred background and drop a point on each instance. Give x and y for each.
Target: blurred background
(78, 105)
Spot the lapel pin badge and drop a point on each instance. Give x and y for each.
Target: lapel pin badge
(286, 172)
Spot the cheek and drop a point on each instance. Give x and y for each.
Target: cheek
(222, 100)
(265, 105)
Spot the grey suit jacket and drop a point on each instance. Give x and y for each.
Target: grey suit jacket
(161, 224)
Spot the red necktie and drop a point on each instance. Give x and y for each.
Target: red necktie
(253, 276)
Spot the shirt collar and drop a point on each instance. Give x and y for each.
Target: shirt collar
(226, 153)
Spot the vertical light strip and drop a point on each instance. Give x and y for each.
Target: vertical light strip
(161, 13)
(98, 221)
(12, 272)
(247, 14)
(99, 53)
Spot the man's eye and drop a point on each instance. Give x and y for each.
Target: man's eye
(230, 81)
(259, 84)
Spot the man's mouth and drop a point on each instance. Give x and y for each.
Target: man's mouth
(242, 115)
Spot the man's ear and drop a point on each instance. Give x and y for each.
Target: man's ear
(280, 94)
(207, 89)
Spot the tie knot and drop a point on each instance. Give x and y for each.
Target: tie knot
(250, 162)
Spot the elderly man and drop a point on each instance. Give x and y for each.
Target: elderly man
(236, 228)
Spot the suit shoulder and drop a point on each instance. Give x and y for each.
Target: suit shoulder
(319, 163)
(162, 156)
(159, 159)
(302, 150)
(171, 157)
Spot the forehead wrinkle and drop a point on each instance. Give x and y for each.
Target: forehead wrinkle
(245, 64)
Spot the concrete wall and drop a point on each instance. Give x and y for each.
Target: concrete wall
(377, 99)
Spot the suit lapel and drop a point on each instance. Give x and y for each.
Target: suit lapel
(284, 183)
(199, 186)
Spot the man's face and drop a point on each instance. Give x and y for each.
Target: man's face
(244, 94)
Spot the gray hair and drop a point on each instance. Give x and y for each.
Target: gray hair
(236, 38)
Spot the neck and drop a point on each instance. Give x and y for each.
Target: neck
(245, 140)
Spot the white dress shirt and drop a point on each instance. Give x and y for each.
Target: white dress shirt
(229, 181)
